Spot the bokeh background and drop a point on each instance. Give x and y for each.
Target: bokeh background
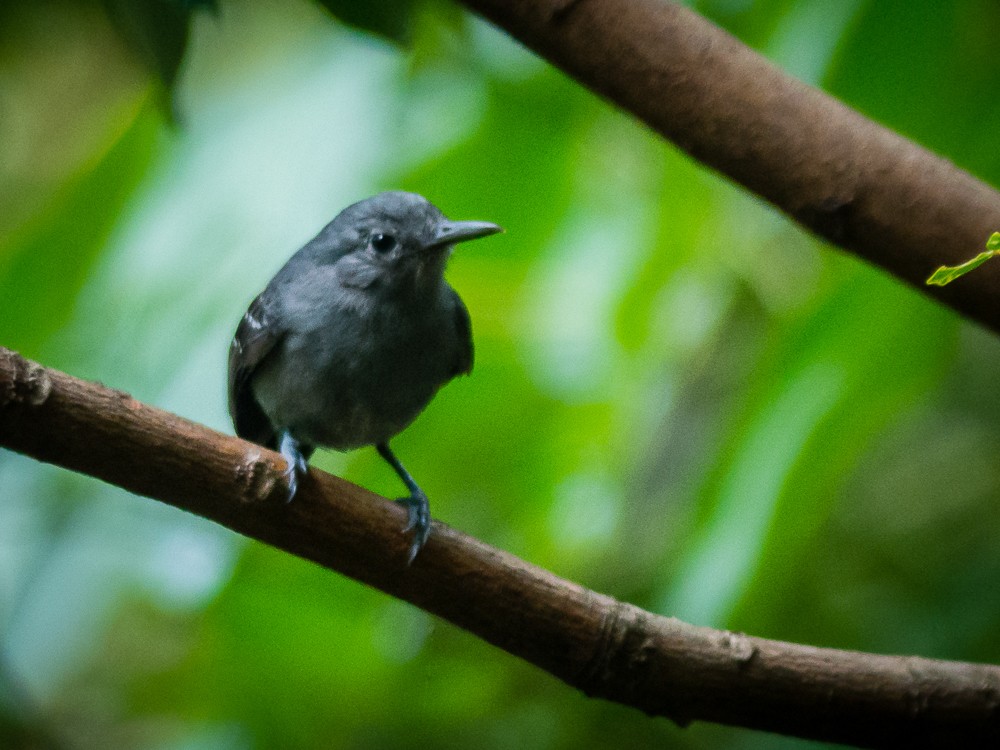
(680, 399)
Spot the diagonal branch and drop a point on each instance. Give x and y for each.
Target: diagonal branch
(604, 647)
(837, 173)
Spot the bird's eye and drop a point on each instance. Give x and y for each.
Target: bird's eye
(383, 243)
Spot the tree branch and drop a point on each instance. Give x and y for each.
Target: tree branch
(604, 647)
(838, 174)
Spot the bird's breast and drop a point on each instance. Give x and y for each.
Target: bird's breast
(357, 372)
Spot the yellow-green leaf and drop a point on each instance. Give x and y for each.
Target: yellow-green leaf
(947, 274)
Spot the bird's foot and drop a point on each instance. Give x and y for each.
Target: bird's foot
(418, 512)
(296, 460)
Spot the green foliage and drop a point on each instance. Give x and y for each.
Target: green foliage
(947, 274)
(767, 436)
(159, 31)
(81, 217)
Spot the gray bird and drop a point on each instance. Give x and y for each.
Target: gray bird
(353, 337)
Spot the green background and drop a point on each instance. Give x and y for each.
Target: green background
(680, 399)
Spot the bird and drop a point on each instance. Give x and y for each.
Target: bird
(353, 337)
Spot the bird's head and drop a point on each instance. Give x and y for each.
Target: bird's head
(394, 240)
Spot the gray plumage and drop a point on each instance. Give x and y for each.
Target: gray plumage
(354, 336)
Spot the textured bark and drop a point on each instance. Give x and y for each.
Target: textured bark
(838, 174)
(604, 647)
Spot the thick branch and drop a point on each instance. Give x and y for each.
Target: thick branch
(604, 647)
(838, 174)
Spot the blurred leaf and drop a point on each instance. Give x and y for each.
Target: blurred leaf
(69, 89)
(392, 20)
(828, 386)
(46, 262)
(158, 31)
(891, 350)
(947, 274)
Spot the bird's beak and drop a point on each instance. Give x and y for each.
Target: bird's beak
(450, 232)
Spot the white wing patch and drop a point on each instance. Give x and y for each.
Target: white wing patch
(253, 322)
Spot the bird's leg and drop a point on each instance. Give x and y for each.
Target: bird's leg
(295, 456)
(418, 509)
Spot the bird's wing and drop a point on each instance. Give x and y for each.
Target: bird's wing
(463, 326)
(256, 335)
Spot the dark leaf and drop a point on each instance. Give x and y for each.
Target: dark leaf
(392, 20)
(157, 30)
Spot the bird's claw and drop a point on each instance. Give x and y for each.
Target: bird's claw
(297, 464)
(418, 513)
(295, 471)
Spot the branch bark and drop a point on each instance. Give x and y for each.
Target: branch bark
(606, 648)
(837, 173)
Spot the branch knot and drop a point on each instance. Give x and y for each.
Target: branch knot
(622, 653)
(256, 478)
(28, 382)
(740, 646)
